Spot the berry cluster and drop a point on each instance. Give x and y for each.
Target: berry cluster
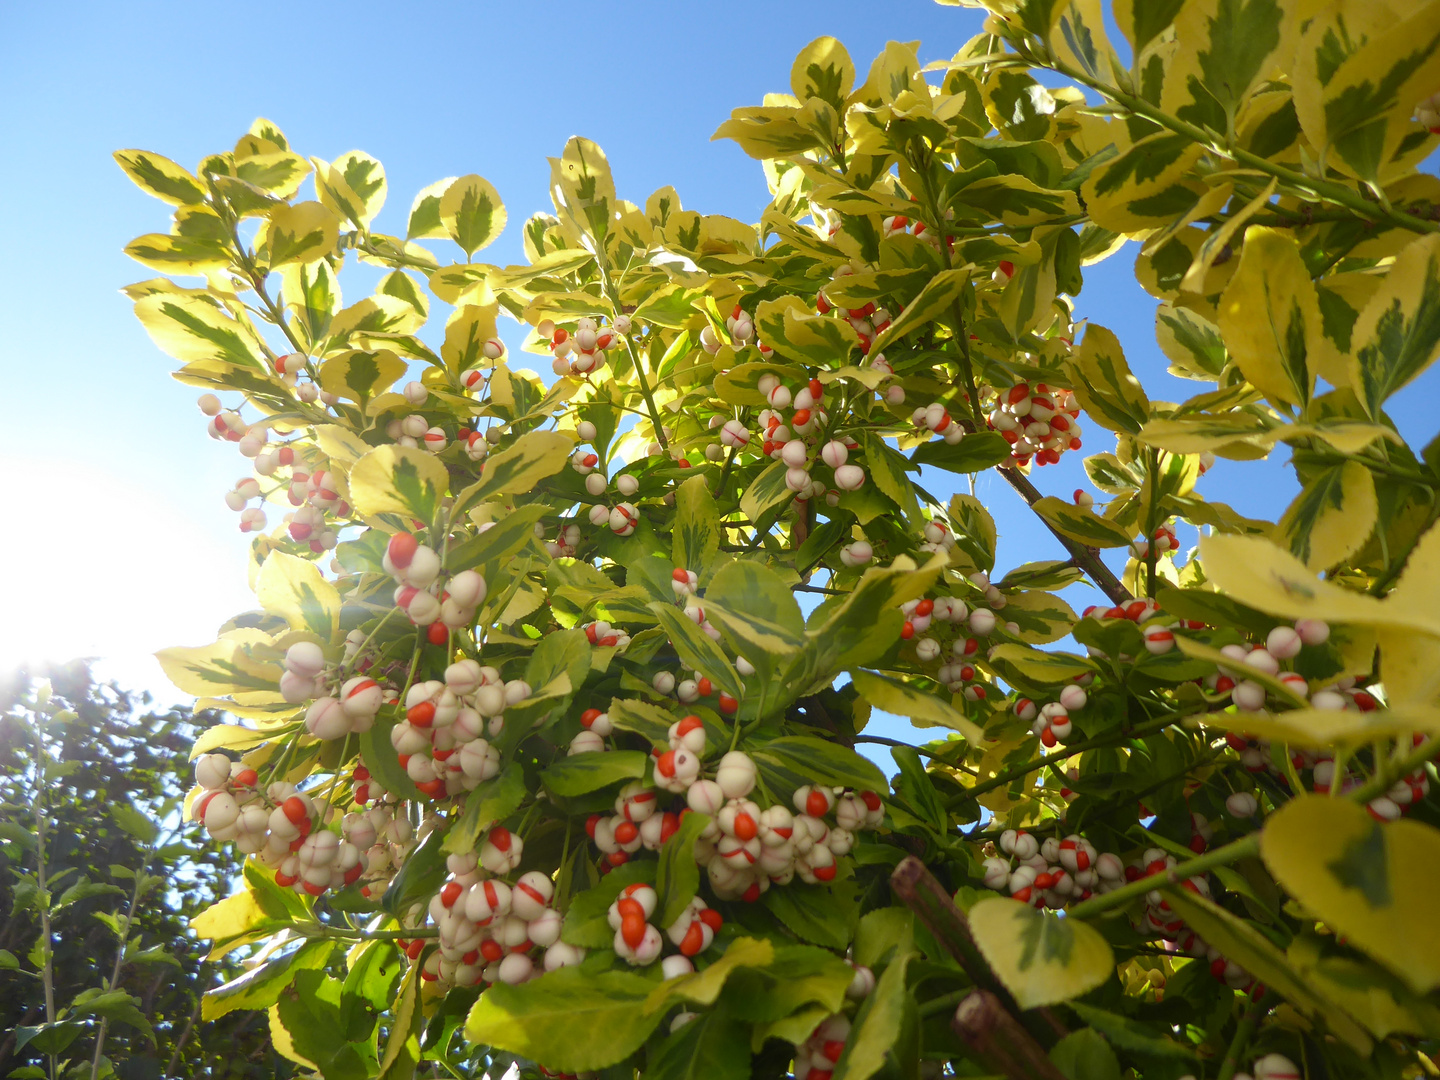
(1040, 422)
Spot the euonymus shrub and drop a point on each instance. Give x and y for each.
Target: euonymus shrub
(535, 755)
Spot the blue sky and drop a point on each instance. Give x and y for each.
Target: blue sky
(120, 536)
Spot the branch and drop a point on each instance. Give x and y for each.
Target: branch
(1088, 559)
(998, 1040)
(932, 905)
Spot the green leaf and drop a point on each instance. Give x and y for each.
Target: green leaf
(712, 1046)
(584, 773)
(1130, 1034)
(877, 1025)
(420, 876)
(379, 757)
(974, 452)
(913, 784)
(402, 1045)
(888, 473)
(926, 709)
(1085, 1055)
(48, 1038)
(498, 543)
(822, 915)
(570, 1020)
(678, 877)
(491, 801)
(133, 821)
(587, 921)
(1041, 959)
(695, 533)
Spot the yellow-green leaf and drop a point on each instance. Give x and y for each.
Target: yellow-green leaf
(1332, 516)
(823, 69)
(926, 709)
(1269, 315)
(398, 480)
(191, 328)
(294, 589)
(1228, 48)
(472, 213)
(1364, 112)
(230, 917)
(223, 667)
(177, 254)
(1104, 384)
(703, 987)
(519, 467)
(937, 297)
(1041, 958)
(1081, 524)
(1328, 729)
(300, 233)
(161, 177)
(1241, 942)
(1397, 336)
(1269, 578)
(424, 221)
(1373, 883)
(360, 375)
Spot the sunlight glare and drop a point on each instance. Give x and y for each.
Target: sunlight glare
(103, 567)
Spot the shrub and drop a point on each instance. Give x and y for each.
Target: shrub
(533, 723)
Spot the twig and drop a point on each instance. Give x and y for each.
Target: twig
(1246, 1028)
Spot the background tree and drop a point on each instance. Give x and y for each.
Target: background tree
(91, 778)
